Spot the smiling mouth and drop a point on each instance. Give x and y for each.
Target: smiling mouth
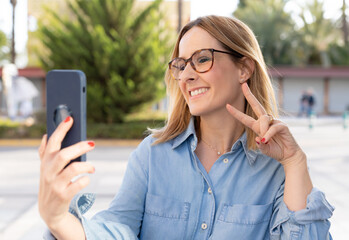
(198, 91)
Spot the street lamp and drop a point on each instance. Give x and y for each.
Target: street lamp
(180, 7)
(13, 51)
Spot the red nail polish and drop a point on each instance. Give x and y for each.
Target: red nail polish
(263, 140)
(92, 144)
(266, 142)
(67, 119)
(257, 142)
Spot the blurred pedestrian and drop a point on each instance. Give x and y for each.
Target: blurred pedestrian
(311, 102)
(9, 71)
(303, 110)
(19, 93)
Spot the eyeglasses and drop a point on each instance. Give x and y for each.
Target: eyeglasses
(201, 61)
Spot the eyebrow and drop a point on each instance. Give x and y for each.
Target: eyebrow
(192, 52)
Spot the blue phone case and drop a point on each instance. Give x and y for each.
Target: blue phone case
(66, 96)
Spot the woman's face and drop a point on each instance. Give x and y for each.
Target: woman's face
(208, 93)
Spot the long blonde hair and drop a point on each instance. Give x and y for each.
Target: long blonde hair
(234, 35)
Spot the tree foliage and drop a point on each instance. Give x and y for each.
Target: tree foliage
(318, 33)
(273, 28)
(315, 41)
(3, 45)
(122, 50)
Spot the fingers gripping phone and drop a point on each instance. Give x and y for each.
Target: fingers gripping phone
(66, 96)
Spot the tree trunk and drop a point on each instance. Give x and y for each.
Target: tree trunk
(325, 59)
(13, 50)
(345, 25)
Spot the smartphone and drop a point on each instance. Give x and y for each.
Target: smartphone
(66, 96)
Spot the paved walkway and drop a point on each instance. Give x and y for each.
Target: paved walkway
(326, 145)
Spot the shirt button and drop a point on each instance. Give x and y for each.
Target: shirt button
(209, 190)
(203, 226)
(225, 160)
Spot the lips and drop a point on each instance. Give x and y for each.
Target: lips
(197, 91)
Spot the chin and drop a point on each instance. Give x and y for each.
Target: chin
(196, 111)
(199, 111)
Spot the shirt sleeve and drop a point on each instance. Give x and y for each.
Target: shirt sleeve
(123, 218)
(309, 223)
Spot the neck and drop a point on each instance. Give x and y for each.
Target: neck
(220, 133)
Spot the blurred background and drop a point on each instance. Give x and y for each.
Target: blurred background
(123, 47)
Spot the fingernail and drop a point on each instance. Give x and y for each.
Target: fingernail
(266, 143)
(92, 144)
(67, 119)
(257, 142)
(263, 140)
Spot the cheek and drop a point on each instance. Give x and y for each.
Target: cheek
(228, 87)
(183, 90)
(225, 81)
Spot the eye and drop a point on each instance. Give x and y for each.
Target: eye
(203, 59)
(179, 65)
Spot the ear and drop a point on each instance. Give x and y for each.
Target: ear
(247, 69)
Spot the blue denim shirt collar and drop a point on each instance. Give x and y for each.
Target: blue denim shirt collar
(251, 155)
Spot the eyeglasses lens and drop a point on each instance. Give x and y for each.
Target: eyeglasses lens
(201, 61)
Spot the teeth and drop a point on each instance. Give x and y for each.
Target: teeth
(198, 91)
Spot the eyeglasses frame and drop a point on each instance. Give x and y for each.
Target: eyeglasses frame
(212, 50)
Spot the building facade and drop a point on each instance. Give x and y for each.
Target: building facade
(330, 87)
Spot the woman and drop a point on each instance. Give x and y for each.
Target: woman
(221, 168)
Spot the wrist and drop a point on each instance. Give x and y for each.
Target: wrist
(58, 223)
(296, 161)
(298, 183)
(68, 227)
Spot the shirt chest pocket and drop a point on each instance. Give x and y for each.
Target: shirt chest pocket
(243, 222)
(164, 218)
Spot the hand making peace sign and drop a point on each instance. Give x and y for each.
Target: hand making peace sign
(273, 136)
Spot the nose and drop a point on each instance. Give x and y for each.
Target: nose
(188, 74)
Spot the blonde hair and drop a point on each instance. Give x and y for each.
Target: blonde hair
(234, 35)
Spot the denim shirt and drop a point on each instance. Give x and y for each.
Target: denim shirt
(167, 194)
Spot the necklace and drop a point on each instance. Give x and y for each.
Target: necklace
(215, 149)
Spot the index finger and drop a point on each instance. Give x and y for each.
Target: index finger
(252, 100)
(55, 141)
(242, 117)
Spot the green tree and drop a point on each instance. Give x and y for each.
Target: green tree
(122, 50)
(3, 44)
(274, 29)
(318, 33)
(339, 50)
(338, 54)
(242, 4)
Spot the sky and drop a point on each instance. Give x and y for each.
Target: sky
(198, 8)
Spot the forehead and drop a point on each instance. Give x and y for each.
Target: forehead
(195, 39)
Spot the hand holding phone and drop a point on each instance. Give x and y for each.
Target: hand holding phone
(66, 125)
